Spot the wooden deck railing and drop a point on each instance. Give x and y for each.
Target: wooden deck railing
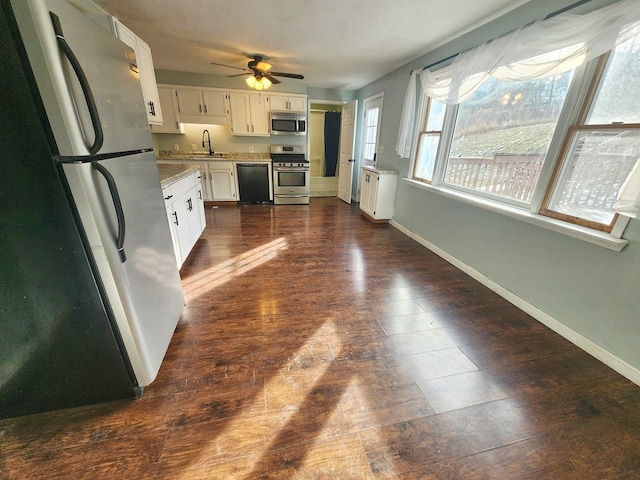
(593, 183)
(513, 176)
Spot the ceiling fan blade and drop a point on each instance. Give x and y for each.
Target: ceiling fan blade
(288, 75)
(239, 74)
(229, 66)
(270, 78)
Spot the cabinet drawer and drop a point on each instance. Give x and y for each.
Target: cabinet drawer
(183, 185)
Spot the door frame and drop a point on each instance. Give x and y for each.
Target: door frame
(323, 102)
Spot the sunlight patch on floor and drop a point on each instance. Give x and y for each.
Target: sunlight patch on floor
(212, 277)
(287, 392)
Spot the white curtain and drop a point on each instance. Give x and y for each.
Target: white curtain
(403, 145)
(628, 201)
(544, 48)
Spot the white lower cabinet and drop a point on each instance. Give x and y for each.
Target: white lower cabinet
(185, 212)
(223, 181)
(377, 192)
(203, 177)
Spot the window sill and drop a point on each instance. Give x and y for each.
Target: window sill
(595, 237)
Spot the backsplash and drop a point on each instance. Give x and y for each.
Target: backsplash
(221, 140)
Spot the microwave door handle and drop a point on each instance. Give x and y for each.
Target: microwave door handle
(84, 83)
(117, 203)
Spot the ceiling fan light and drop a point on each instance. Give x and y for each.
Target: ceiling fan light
(263, 66)
(266, 83)
(251, 81)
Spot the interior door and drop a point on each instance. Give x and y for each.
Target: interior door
(347, 129)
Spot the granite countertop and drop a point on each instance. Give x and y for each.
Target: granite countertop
(379, 169)
(220, 156)
(172, 173)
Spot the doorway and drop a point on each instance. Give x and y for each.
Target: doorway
(324, 171)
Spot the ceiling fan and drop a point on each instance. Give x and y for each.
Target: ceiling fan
(261, 75)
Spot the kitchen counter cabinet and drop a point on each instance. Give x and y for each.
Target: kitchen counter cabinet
(184, 202)
(377, 193)
(223, 181)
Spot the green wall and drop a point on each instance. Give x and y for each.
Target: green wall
(590, 289)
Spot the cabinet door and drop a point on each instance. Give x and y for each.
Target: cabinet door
(194, 220)
(200, 207)
(240, 116)
(223, 182)
(190, 102)
(279, 102)
(216, 105)
(368, 192)
(295, 103)
(143, 60)
(180, 220)
(373, 193)
(298, 104)
(202, 177)
(170, 124)
(259, 106)
(174, 235)
(148, 83)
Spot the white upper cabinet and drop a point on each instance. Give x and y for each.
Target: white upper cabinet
(249, 114)
(143, 62)
(288, 103)
(190, 102)
(200, 105)
(168, 101)
(216, 104)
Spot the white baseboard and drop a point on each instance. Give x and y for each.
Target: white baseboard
(606, 357)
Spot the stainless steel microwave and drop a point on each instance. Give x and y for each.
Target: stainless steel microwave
(287, 123)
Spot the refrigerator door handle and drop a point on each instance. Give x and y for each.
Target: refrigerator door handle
(118, 206)
(84, 83)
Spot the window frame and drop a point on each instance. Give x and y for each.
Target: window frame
(424, 109)
(579, 126)
(577, 104)
(374, 101)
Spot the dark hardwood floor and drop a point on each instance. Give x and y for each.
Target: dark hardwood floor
(315, 345)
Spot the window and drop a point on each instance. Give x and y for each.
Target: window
(602, 146)
(502, 134)
(429, 141)
(559, 146)
(370, 131)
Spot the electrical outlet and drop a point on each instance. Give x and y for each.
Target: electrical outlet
(250, 149)
(176, 147)
(194, 147)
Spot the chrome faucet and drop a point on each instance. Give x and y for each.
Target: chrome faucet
(207, 141)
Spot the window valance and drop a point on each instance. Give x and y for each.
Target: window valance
(522, 55)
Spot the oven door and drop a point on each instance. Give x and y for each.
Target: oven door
(290, 185)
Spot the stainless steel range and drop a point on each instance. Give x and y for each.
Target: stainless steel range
(290, 175)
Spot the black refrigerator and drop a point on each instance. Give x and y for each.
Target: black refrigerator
(91, 292)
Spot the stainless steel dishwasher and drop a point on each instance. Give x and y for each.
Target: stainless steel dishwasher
(253, 182)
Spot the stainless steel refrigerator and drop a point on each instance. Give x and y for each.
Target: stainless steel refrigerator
(91, 293)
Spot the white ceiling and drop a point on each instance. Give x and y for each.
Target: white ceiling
(343, 44)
